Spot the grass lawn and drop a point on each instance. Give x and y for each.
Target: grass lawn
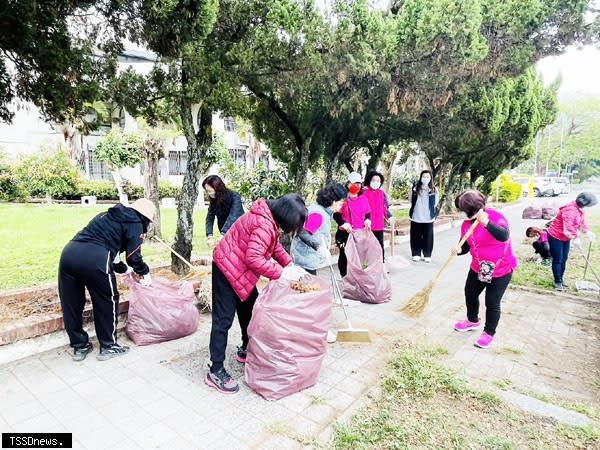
(532, 274)
(33, 236)
(423, 404)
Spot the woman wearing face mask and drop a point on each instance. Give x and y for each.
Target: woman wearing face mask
(564, 228)
(378, 204)
(310, 249)
(355, 214)
(492, 264)
(241, 257)
(423, 198)
(224, 204)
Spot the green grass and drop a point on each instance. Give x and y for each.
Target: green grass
(535, 275)
(424, 404)
(33, 236)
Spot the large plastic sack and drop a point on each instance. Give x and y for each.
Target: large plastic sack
(367, 279)
(288, 338)
(548, 212)
(532, 212)
(161, 312)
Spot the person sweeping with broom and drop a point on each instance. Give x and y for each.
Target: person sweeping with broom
(492, 263)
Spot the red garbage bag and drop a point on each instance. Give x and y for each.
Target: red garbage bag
(161, 312)
(288, 338)
(367, 279)
(548, 212)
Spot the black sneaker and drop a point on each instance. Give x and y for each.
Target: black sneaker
(80, 353)
(111, 351)
(221, 381)
(241, 355)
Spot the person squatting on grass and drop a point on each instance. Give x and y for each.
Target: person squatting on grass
(241, 257)
(423, 198)
(540, 245)
(223, 203)
(355, 214)
(310, 248)
(378, 203)
(564, 228)
(492, 264)
(90, 260)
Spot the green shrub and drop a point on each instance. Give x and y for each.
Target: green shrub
(11, 189)
(509, 190)
(46, 173)
(103, 190)
(401, 185)
(133, 191)
(168, 189)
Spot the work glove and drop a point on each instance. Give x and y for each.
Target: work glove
(323, 252)
(210, 241)
(577, 242)
(591, 236)
(347, 227)
(293, 272)
(391, 220)
(368, 224)
(146, 280)
(120, 267)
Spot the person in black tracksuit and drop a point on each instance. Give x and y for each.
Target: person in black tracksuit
(90, 260)
(224, 204)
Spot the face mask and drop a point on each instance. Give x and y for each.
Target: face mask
(354, 189)
(375, 185)
(425, 180)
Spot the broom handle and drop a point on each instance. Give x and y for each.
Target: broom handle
(460, 244)
(587, 260)
(174, 252)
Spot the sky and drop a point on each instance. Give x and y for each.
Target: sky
(580, 71)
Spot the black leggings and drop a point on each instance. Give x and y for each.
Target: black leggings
(225, 303)
(542, 248)
(493, 295)
(421, 238)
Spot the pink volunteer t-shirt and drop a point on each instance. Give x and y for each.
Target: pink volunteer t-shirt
(354, 210)
(543, 237)
(376, 199)
(488, 248)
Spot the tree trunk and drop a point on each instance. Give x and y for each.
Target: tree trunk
(154, 151)
(332, 164)
(197, 144)
(375, 156)
(388, 162)
(302, 168)
(119, 185)
(72, 141)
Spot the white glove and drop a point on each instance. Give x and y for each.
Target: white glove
(117, 259)
(577, 242)
(368, 224)
(391, 220)
(591, 236)
(346, 226)
(293, 272)
(323, 252)
(146, 280)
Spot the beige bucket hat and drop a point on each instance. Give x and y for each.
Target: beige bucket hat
(145, 207)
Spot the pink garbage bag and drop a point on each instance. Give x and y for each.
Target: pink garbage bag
(161, 312)
(367, 279)
(288, 338)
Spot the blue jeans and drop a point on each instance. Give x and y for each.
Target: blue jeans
(560, 253)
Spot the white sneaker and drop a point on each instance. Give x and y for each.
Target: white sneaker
(331, 337)
(416, 258)
(427, 259)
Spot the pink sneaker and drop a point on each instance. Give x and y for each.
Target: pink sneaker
(466, 325)
(484, 341)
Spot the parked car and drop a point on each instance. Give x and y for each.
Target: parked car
(546, 187)
(563, 183)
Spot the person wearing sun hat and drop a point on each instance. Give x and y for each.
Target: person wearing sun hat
(90, 260)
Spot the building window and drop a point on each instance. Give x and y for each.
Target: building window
(95, 170)
(230, 124)
(238, 155)
(264, 159)
(177, 163)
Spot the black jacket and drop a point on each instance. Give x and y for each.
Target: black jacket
(227, 212)
(119, 229)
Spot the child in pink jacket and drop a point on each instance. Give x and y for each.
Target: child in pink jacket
(564, 228)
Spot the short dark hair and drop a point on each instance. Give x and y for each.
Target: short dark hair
(528, 231)
(333, 192)
(215, 182)
(470, 202)
(371, 174)
(289, 212)
(423, 172)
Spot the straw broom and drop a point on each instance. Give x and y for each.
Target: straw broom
(417, 303)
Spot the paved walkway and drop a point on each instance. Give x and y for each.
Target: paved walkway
(155, 396)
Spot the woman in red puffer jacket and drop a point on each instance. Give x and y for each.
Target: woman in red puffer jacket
(242, 256)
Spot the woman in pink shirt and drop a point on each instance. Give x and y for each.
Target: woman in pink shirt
(355, 214)
(378, 204)
(564, 227)
(492, 264)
